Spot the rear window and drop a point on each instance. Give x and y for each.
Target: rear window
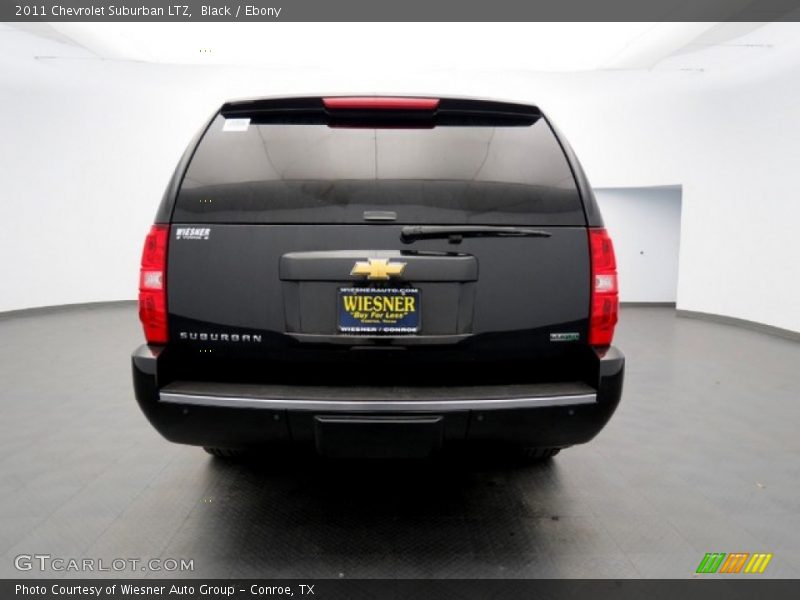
(313, 173)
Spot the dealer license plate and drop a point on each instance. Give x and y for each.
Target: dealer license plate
(379, 310)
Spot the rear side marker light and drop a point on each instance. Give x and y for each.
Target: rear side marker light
(605, 293)
(152, 288)
(376, 103)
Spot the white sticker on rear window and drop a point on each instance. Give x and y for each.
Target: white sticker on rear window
(236, 125)
(192, 233)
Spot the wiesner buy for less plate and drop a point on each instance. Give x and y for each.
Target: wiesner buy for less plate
(378, 310)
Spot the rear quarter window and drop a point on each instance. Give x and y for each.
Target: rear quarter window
(313, 173)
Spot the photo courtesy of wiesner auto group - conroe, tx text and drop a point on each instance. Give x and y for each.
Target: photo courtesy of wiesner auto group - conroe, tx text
(155, 589)
(295, 305)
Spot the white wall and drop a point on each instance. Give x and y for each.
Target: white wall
(740, 255)
(88, 146)
(645, 225)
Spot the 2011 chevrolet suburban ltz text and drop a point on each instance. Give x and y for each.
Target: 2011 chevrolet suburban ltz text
(378, 276)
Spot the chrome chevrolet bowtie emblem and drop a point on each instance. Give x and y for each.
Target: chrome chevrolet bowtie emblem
(378, 268)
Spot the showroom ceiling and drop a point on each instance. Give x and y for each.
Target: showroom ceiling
(543, 47)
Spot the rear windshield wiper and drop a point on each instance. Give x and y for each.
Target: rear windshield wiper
(411, 233)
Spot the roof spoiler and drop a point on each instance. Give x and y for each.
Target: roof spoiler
(382, 111)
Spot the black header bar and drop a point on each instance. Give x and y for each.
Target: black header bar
(402, 11)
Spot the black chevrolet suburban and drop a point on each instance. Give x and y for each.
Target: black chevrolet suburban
(378, 276)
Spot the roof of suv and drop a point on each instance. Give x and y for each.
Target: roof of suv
(332, 108)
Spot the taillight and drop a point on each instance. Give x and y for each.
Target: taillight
(152, 285)
(605, 294)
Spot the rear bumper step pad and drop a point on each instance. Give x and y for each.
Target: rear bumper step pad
(376, 399)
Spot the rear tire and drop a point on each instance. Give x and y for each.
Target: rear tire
(226, 453)
(538, 454)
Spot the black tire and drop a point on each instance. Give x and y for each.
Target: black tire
(226, 453)
(538, 454)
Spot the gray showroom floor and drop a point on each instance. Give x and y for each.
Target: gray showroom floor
(702, 456)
